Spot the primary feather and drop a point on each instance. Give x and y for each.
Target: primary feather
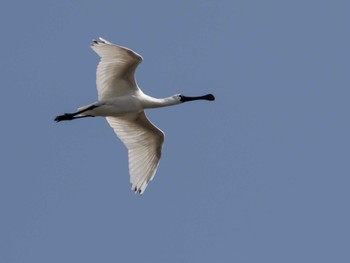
(144, 142)
(115, 71)
(115, 78)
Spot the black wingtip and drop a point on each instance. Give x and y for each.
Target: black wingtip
(137, 190)
(95, 42)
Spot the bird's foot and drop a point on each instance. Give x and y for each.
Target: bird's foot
(64, 117)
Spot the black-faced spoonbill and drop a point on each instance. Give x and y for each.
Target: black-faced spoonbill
(122, 102)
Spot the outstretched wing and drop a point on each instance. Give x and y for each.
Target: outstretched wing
(115, 72)
(144, 142)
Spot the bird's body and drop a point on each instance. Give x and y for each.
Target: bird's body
(120, 106)
(123, 103)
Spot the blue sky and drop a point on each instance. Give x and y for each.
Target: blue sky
(260, 175)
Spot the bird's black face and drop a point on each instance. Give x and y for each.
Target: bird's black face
(209, 97)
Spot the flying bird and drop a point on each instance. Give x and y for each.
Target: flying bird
(122, 102)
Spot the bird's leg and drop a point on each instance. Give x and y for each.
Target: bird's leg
(72, 116)
(69, 117)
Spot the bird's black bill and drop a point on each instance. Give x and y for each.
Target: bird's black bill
(205, 97)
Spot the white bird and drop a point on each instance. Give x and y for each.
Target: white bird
(122, 102)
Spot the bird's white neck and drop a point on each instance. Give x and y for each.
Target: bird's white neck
(150, 102)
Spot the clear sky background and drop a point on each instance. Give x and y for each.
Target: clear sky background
(259, 175)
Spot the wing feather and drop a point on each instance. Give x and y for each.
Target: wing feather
(144, 142)
(116, 69)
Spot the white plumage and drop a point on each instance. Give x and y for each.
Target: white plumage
(122, 102)
(144, 142)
